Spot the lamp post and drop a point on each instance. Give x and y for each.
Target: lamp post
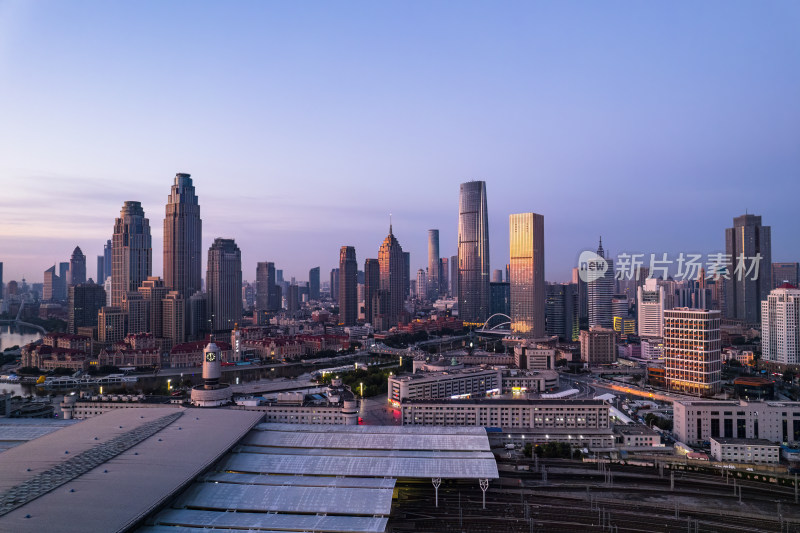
(169, 385)
(362, 389)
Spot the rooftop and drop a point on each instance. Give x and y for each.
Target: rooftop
(745, 442)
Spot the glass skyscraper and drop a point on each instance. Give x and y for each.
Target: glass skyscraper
(183, 233)
(747, 239)
(224, 285)
(473, 253)
(433, 264)
(393, 276)
(131, 251)
(526, 237)
(348, 286)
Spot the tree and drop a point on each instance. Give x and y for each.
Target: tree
(788, 376)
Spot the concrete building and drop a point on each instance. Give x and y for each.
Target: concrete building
(636, 436)
(785, 273)
(111, 323)
(598, 346)
(692, 357)
(85, 301)
(336, 406)
(444, 277)
(313, 284)
(432, 280)
(372, 280)
(780, 325)
(132, 252)
(173, 309)
(600, 289)
(698, 421)
(153, 291)
(334, 286)
(137, 310)
(454, 277)
(448, 384)
(224, 285)
(348, 286)
(393, 277)
(108, 263)
(52, 285)
(746, 240)
(528, 292)
(533, 356)
(561, 311)
(101, 269)
(266, 291)
(77, 267)
(650, 309)
(748, 451)
(473, 253)
(499, 302)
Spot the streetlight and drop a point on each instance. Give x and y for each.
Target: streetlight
(362, 389)
(169, 385)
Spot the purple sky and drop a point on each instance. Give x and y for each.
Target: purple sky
(305, 124)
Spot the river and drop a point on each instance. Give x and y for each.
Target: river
(14, 335)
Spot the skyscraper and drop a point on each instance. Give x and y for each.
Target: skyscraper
(433, 265)
(348, 286)
(473, 253)
(600, 291)
(785, 273)
(526, 237)
(444, 276)
(561, 311)
(393, 276)
(780, 325)
(746, 240)
(422, 284)
(372, 280)
(108, 262)
(85, 301)
(101, 269)
(174, 321)
(692, 362)
(454, 277)
(1, 280)
(313, 284)
(224, 285)
(51, 285)
(153, 290)
(77, 267)
(265, 281)
(335, 284)
(406, 275)
(650, 309)
(131, 251)
(183, 233)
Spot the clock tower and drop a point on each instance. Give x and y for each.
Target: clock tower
(211, 393)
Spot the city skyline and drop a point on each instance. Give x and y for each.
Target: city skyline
(644, 116)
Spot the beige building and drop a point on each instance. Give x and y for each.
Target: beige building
(153, 291)
(173, 309)
(692, 359)
(751, 451)
(110, 324)
(598, 346)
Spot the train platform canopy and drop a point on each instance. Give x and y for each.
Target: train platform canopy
(315, 478)
(109, 472)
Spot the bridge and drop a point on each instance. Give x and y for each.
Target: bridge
(502, 329)
(18, 321)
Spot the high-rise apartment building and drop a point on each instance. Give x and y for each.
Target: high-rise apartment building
(348, 286)
(432, 283)
(561, 311)
(600, 290)
(224, 285)
(526, 237)
(85, 301)
(77, 267)
(745, 241)
(372, 281)
(393, 276)
(780, 326)
(693, 364)
(422, 284)
(313, 284)
(131, 250)
(183, 234)
(650, 309)
(473, 253)
(785, 273)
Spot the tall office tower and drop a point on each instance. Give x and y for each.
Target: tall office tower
(101, 268)
(198, 317)
(781, 273)
(499, 302)
(153, 290)
(279, 276)
(650, 309)
(1, 281)
(561, 311)
(780, 325)
(406, 274)
(583, 297)
(265, 281)
(598, 346)
(372, 280)
(313, 284)
(183, 234)
(497, 276)
(293, 299)
(77, 267)
(393, 276)
(335, 284)
(50, 289)
(526, 236)
(131, 251)
(60, 283)
(600, 291)
(85, 301)
(454, 277)
(444, 276)
(748, 238)
(348, 286)
(380, 310)
(108, 262)
(692, 351)
(224, 285)
(63, 272)
(432, 282)
(111, 324)
(174, 320)
(473, 253)
(137, 310)
(422, 285)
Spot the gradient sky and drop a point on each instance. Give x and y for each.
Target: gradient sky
(304, 124)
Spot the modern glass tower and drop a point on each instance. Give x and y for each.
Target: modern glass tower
(473, 253)
(131, 251)
(744, 293)
(392, 276)
(77, 267)
(348, 286)
(528, 291)
(372, 280)
(224, 285)
(183, 233)
(600, 291)
(313, 284)
(433, 265)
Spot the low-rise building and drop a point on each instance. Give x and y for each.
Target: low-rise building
(448, 384)
(337, 406)
(751, 451)
(632, 436)
(190, 354)
(529, 382)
